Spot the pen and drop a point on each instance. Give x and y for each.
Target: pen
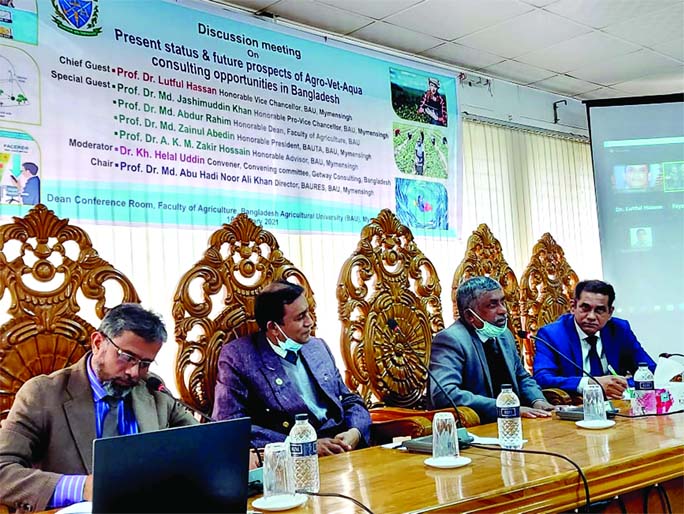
(612, 371)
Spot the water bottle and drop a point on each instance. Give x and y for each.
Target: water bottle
(304, 451)
(510, 424)
(644, 401)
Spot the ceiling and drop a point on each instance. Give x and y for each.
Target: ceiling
(587, 49)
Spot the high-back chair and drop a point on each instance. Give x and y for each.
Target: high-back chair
(546, 290)
(387, 282)
(47, 266)
(214, 302)
(484, 257)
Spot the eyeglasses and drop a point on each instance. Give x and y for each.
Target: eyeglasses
(130, 360)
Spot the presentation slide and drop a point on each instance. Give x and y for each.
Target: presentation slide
(638, 152)
(164, 112)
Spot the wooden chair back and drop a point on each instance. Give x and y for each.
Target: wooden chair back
(546, 290)
(214, 302)
(388, 278)
(484, 257)
(47, 266)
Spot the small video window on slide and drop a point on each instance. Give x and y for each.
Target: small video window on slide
(673, 176)
(417, 97)
(637, 178)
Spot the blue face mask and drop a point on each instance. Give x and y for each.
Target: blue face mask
(288, 344)
(488, 330)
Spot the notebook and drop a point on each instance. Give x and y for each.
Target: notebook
(200, 468)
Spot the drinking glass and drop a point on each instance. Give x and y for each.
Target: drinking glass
(593, 403)
(444, 437)
(278, 470)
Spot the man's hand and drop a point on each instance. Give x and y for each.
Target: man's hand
(614, 386)
(88, 489)
(531, 412)
(351, 437)
(329, 446)
(543, 405)
(253, 459)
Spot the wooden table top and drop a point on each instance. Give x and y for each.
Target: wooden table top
(631, 455)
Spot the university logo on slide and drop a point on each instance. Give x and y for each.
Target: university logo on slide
(78, 17)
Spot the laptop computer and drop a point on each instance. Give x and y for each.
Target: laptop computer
(199, 468)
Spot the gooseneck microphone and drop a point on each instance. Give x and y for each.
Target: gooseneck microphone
(394, 327)
(527, 335)
(156, 385)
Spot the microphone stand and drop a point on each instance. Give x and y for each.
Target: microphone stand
(464, 439)
(527, 335)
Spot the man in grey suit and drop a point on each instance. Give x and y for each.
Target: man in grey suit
(282, 371)
(477, 354)
(46, 441)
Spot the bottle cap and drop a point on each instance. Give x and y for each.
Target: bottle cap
(506, 386)
(301, 417)
(643, 364)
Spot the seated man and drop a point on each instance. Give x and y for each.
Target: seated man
(282, 371)
(477, 354)
(46, 442)
(603, 346)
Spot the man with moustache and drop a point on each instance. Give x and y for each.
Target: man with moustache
(476, 355)
(46, 441)
(600, 344)
(282, 371)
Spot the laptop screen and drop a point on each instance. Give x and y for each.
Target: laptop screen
(199, 468)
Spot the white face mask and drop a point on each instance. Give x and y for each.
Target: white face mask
(489, 330)
(288, 344)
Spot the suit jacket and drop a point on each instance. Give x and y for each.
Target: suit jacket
(252, 382)
(458, 362)
(620, 346)
(50, 431)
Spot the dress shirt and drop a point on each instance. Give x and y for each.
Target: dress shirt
(585, 355)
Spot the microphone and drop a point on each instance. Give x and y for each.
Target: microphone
(668, 355)
(527, 335)
(394, 327)
(156, 385)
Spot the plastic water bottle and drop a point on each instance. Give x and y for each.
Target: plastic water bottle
(510, 425)
(304, 451)
(644, 401)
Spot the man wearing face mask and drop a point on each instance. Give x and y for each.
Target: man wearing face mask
(477, 354)
(282, 371)
(46, 442)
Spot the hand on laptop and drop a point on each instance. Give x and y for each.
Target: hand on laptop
(88, 489)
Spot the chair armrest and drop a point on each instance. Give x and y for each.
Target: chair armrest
(557, 396)
(414, 426)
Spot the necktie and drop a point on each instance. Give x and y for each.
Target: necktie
(110, 427)
(498, 371)
(291, 357)
(595, 365)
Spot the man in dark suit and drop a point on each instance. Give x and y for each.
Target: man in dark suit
(282, 371)
(47, 439)
(477, 354)
(602, 345)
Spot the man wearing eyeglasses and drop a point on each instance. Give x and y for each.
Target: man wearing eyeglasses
(46, 440)
(600, 344)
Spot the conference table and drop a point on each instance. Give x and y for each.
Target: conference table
(622, 460)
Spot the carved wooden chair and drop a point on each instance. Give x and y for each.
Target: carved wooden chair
(388, 278)
(214, 302)
(45, 264)
(484, 257)
(546, 290)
